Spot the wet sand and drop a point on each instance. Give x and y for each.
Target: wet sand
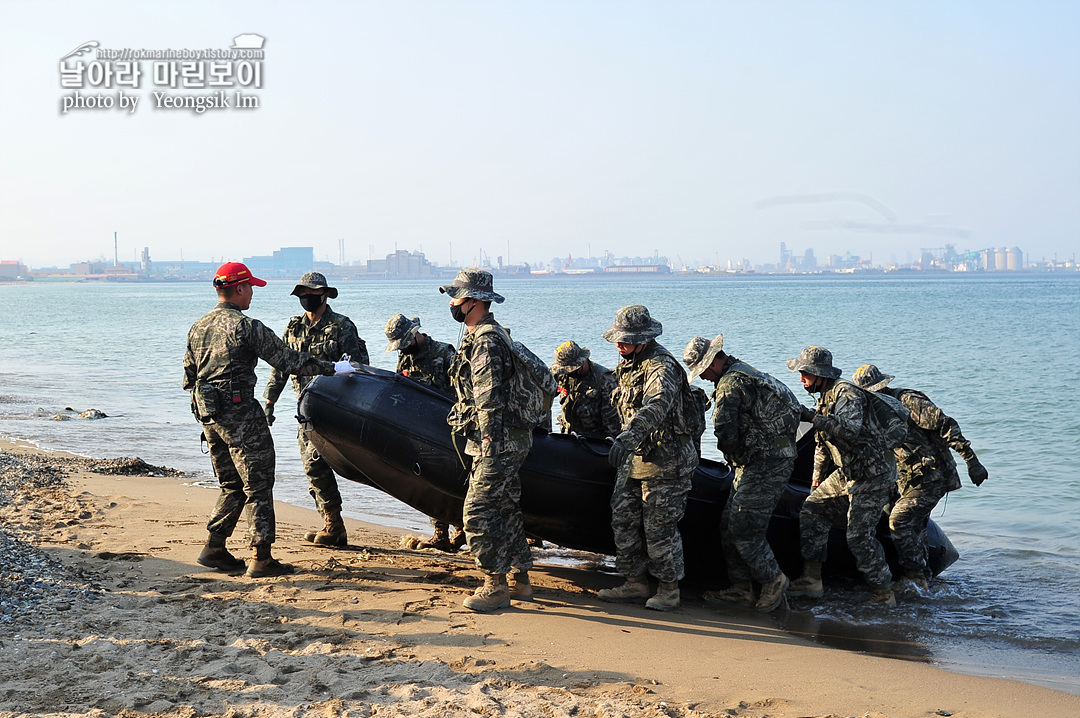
(379, 630)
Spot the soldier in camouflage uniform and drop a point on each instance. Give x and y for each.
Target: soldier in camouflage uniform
(655, 455)
(585, 390)
(854, 474)
(925, 467)
(755, 421)
(219, 370)
(427, 361)
(327, 335)
(480, 374)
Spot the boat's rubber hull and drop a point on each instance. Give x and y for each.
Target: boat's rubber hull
(386, 430)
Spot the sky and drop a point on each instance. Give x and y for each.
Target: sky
(704, 131)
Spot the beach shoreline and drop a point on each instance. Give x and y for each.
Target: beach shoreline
(379, 630)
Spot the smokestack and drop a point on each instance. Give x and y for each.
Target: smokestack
(115, 255)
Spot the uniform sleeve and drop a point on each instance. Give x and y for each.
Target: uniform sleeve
(489, 392)
(352, 344)
(661, 390)
(278, 379)
(609, 415)
(728, 400)
(927, 415)
(845, 419)
(822, 462)
(190, 370)
(274, 351)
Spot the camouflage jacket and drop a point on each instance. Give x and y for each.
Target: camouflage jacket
(225, 345)
(930, 436)
(327, 339)
(586, 403)
(844, 437)
(651, 399)
(429, 364)
(480, 376)
(755, 416)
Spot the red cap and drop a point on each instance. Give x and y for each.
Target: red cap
(232, 273)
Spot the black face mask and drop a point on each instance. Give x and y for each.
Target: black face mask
(311, 302)
(458, 313)
(813, 388)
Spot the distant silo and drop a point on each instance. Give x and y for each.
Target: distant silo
(1001, 259)
(986, 260)
(1016, 259)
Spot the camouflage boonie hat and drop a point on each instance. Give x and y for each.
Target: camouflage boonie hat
(401, 332)
(816, 361)
(700, 352)
(569, 357)
(869, 377)
(314, 280)
(474, 284)
(633, 325)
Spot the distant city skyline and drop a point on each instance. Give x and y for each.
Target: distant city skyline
(706, 131)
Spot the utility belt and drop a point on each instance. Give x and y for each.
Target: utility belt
(210, 399)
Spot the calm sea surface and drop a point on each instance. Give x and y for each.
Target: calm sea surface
(1000, 354)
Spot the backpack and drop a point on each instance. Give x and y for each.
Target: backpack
(532, 387)
(888, 418)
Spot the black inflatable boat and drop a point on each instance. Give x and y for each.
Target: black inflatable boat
(386, 430)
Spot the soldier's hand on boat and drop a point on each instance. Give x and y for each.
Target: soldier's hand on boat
(807, 414)
(617, 454)
(976, 471)
(343, 367)
(268, 409)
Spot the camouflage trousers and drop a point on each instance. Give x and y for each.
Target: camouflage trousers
(242, 453)
(645, 515)
(745, 519)
(856, 505)
(493, 524)
(322, 484)
(909, 516)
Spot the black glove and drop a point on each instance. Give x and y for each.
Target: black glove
(976, 471)
(807, 414)
(268, 409)
(618, 454)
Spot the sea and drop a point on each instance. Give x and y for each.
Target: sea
(999, 353)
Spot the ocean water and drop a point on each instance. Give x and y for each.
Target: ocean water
(1001, 354)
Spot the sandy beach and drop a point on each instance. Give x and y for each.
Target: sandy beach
(128, 624)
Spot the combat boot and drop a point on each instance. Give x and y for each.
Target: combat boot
(772, 594)
(493, 595)
(882, 596)
(739, 594)
(633, 590)
(917, 577)
(809, 584)
(264, 565)
(440, 539)
(458, 540)
(215, 555)
(666, 598)
(520, 587)
(332, 533)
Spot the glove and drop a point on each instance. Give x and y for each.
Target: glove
(618, 454)
(268, 409)
(343, 367)
(976, 471)
(807, 414)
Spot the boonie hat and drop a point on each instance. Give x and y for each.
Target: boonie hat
(633, 325)
(474, 284)
(569, 357)
(700, 352)
(871, 378)
(816, 361)
(232, 273)
(401, 332)
(314, 280)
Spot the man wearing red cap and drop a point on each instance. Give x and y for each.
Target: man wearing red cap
(219, 370)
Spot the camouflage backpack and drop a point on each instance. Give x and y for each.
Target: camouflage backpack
(888, 418)
(532, 387)
(777, 411)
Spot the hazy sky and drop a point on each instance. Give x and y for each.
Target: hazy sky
(703, 130)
